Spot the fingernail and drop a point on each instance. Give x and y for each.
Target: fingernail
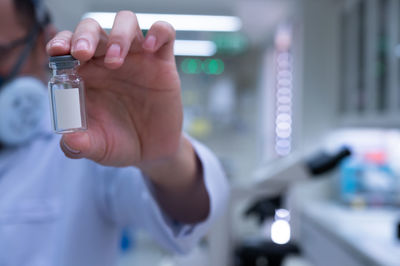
(150, 42)
(82, 45)
(113, 53)
(68, 148)
(57, 43)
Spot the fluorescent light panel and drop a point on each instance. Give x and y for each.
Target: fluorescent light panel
(179, 22)
(194, 48)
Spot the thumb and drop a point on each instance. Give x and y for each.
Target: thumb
(82, 145)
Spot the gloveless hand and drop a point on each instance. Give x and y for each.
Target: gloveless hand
(133, 96)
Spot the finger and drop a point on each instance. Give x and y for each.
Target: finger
(89, 38)
(82, 145)
(124, 32)
(60, 44)
(160, 39)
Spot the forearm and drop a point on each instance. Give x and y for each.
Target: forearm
(179, 185)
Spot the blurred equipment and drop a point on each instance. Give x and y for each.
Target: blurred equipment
(262, 253)
(273, 250)
(264, 208)
(323, 162)
(368, 180)
(362, 231)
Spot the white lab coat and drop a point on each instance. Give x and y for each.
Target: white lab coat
(55, 211)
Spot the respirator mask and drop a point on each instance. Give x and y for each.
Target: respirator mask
(23, 101)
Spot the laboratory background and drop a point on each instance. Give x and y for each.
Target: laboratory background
(300, 100)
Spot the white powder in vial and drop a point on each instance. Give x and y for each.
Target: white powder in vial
(68, 108)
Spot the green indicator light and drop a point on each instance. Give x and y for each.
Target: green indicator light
(208, 66)
(194, 66)
(213, 66)
(191, 66)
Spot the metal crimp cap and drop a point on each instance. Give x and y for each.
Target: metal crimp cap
(63, 62)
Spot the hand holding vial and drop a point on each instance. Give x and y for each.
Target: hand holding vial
(132, 90)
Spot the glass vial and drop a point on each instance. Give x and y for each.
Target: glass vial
(67, 96)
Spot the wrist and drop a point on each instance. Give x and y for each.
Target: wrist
(165, 172)
(178, 185)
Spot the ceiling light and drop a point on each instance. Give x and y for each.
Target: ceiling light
(194, 48)
(179, 22)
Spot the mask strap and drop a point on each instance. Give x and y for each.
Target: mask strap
(41, 13)
(2, 81)
(24, 55)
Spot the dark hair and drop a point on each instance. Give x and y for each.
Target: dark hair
(25, 10)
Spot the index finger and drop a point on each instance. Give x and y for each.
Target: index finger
(88, 40)
(60, 44)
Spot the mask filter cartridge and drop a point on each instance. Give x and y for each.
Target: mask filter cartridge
(22, 108)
